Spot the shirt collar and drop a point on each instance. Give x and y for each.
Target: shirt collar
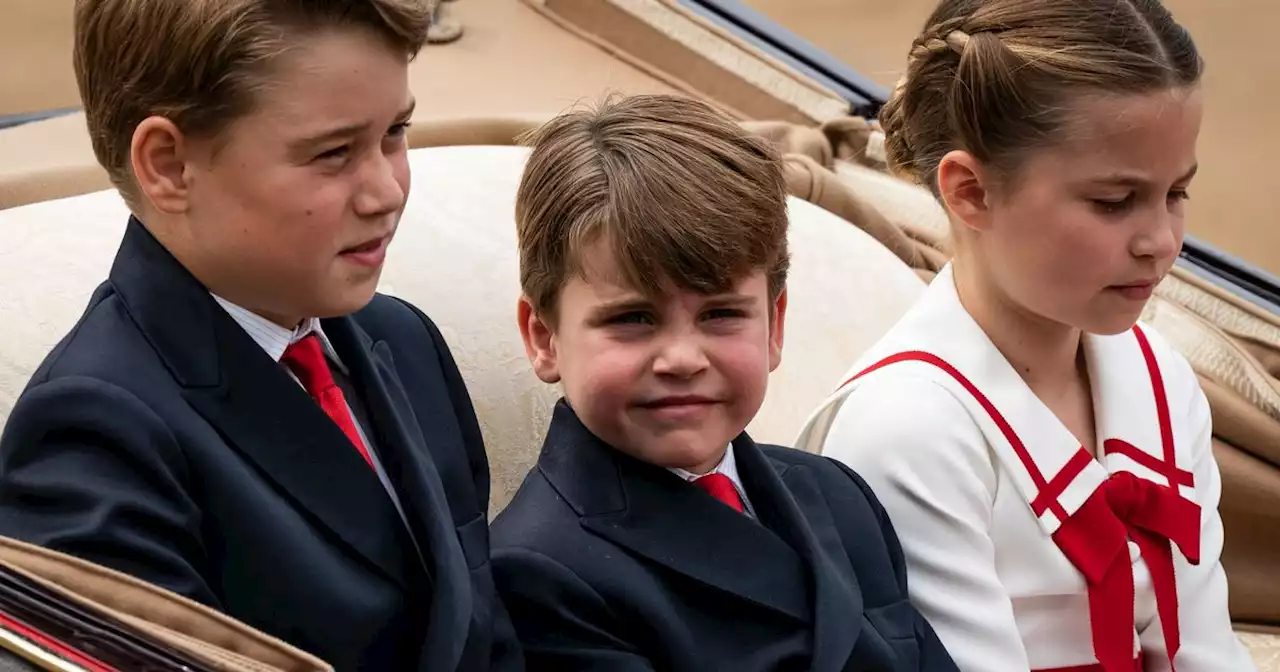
(273, 338)
(728, 467)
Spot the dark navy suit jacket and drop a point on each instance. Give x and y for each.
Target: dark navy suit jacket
(609, 563)
(159, 439)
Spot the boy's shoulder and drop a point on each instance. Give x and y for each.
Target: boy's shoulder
(836, 480)
(387, 317)
(539, 515)
(537, 518)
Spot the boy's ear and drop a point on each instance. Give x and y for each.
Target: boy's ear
(776, 327)
(965, 189)
(539, 345)
(159, 156)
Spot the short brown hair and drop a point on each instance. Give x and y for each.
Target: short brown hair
(199, 62)
(995, 77)
(679, 192)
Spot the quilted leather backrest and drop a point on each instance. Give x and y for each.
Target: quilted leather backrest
(455, 257)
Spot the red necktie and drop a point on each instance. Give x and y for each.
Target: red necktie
(306, 359)
(720, 487)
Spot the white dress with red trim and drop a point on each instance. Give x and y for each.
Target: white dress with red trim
(1023, 551)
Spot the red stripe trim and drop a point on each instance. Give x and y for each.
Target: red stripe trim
(1095, 667)
(1175, 475)
(1021, 450)
(60, 649)
(1050, 494)
(1162, 407)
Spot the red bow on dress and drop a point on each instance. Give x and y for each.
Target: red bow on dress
(1095, 540)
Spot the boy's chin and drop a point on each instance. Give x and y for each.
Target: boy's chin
(699, 459)
(350, 301)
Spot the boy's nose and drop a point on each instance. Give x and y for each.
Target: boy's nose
(380, 193)
(680, 357)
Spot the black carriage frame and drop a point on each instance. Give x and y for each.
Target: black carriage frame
(865, 98)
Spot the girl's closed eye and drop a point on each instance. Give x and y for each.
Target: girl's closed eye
(1109, 206)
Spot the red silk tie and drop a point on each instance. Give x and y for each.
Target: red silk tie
(720, 487)
(306, 359)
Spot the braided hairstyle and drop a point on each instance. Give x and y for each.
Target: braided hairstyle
(996, 77)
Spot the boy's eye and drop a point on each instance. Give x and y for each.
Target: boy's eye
(633, 317)
(335, 153)
(725, 313)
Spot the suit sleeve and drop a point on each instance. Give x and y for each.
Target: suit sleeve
(933, 655)
(928, 464)
(463, 409)
(562, 622)
(86, 468)
(1208, 642)
(506, 651)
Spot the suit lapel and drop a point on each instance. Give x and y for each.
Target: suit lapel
(254, 404)
(274, 423)
(406, 458)
(791, 504)
(657, 515)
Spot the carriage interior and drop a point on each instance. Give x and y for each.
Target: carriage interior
(864, 246)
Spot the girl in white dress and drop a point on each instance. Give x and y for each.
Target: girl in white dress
(1044, 457)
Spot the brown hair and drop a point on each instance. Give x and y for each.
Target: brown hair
(995, 77)
(677, 190)
(199, 62)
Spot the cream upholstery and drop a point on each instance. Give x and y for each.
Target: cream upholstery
(455, 257)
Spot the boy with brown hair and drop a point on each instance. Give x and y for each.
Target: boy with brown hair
(238, 417)
(653, 533)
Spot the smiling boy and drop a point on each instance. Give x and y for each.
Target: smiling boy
(654, 534)
(238, 417)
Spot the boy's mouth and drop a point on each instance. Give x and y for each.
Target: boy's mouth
(678, 400)
(678, 408)
(370, 253)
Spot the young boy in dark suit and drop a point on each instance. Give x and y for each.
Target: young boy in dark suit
(237, 417)
(653, 533)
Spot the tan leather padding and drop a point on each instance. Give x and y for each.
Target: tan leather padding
(694, 55)
(462, 131)
(62, 164)
(48, 159)
(810, 181)
(517, 62)
(221, 642)
(511, 62)
(1251, 516)
(35, 57)
(1244, 395)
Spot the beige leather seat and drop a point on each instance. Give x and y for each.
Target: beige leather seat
(455, 258)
